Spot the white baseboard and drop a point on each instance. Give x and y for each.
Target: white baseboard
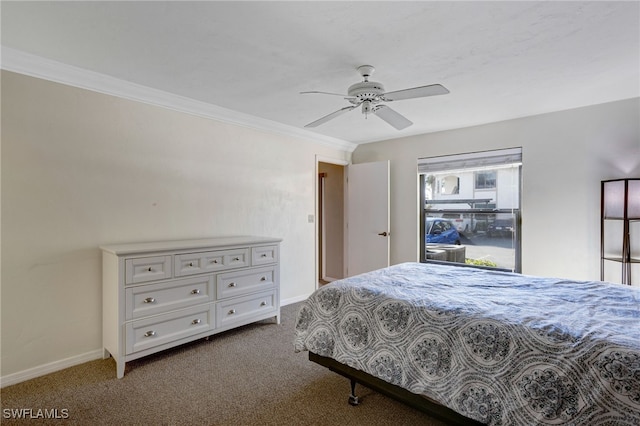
(32, 373)
(292, 300)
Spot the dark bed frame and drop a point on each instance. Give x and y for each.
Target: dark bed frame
(413, 400)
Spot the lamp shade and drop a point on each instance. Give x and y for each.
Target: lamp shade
(620, 226)
(614, 199)
(633, 209)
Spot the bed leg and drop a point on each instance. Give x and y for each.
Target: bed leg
(353, 399)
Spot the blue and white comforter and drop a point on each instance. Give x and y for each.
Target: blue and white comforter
(501, 348)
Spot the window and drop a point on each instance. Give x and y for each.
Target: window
(450, 185)
(486, 179)
(471, 204)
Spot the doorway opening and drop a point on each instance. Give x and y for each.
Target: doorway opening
(331, 221)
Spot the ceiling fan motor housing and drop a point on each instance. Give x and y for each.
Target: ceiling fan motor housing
(366, 91)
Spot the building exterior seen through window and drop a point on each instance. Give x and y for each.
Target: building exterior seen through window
(471, 209)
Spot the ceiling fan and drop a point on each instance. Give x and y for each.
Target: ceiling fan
(370, 94)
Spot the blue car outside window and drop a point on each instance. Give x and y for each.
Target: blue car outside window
(441, 232)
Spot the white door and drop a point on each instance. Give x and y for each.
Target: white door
(368, 233)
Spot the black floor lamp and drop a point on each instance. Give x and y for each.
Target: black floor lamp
(620, 209)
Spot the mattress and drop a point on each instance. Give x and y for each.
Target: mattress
(497, 347)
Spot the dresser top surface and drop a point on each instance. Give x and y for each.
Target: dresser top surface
(203, 243)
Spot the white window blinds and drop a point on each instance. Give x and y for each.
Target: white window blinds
(471, 161)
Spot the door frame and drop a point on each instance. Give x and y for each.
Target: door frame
(328, 160)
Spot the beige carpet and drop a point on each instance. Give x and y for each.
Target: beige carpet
(249, 376)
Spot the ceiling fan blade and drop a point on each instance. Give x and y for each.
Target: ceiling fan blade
(416, 92)
(330, 116)
(351, 99)
(322, 93)
(392, 117)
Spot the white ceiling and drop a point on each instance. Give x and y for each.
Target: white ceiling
(500, 60)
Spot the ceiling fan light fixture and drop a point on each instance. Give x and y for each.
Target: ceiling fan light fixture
(367, 107)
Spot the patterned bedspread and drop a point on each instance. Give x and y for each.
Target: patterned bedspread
(501, 348)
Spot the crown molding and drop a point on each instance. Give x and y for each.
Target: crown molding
(35, 66)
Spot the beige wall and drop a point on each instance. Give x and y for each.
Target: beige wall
(80, 169)
(565, 155)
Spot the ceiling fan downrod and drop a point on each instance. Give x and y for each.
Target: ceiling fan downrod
(366, 71)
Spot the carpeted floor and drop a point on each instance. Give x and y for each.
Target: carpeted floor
(248, 376)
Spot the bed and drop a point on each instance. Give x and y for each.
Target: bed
(492, 347)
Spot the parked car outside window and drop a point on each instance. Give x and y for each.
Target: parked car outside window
(441, 231)
(501, 228)
(462, 221)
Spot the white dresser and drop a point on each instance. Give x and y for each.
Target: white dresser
(161, 294)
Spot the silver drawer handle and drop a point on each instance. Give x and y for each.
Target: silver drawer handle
(235, 259)
(150, 333)
(195, 291)
(196, 321)
(263, 303)
(263, 279)
(264, 255)
(232, 284)
(150, 270)
(190, 263)
(214, 261)
(149, 300)
(232, 311)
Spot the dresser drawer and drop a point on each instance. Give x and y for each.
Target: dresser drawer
(158, 330)
(210, 261)
(242, 282)
(152, 299)
(242, 308)
(264, 255)
(143, 269)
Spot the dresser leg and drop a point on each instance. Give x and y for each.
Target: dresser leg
(120, 369)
